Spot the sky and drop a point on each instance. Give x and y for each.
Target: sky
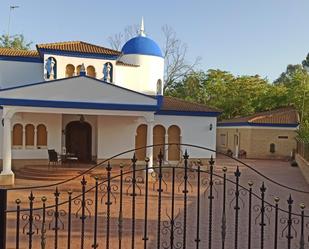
(243, 37)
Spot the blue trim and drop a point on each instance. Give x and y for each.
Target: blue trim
(21, 59)
(256, 124)
(101, 81)
(77, 105)
(188, 113)
(77, 54)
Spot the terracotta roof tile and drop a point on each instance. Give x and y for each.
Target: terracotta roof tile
(121, 63)
(78, 46)
(18, 52)
(284, 115)
(175, 104)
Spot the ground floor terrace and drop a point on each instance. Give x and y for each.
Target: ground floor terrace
(95, 135)
(115, 206)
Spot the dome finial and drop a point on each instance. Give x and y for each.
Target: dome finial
(142, 29)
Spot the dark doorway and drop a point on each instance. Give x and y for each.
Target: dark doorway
(78, 140)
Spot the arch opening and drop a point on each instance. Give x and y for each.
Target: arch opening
(141, 141)
(174, 137)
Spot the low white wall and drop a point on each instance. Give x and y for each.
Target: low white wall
(53, 124)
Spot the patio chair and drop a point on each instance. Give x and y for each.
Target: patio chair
(53, 157)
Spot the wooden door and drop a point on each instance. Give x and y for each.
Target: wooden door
(78, 140)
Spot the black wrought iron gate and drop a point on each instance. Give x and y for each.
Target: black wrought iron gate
(188, 204)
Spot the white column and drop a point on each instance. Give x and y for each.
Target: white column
(150, 142)
(166, 147)
(7, 147)
(35, 137)
(24, 137)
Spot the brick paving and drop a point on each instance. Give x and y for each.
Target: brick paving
(280, 171)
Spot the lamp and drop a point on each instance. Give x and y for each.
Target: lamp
(82, 119)
(210, 127)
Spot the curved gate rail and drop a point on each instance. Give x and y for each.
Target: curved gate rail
(180, 205)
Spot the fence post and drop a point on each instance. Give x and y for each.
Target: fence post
(3, 204)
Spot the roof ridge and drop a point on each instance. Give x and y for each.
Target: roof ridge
(13, 52)
(59, 43)
(99, 46)
(76, 42)
(18, 49)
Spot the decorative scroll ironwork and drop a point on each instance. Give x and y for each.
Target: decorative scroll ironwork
(56, 222)
(189, 199)
(30, 221)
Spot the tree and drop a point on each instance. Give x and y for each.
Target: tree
(15, 41)
(296, 80)
(117, 40)
(234, 95)
(303, 132)
(174, 53)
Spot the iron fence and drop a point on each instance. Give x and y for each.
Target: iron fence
(303, 149)
(188, 204)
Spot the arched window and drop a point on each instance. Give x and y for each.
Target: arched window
(159, 87)
(41, 135)
(108, 72)
(141, 141)
(91, 71)
(51, 68)
(18, 135)
(69, 70)
(78, 69)
(29, 135)
(174, 137)
(158, 138)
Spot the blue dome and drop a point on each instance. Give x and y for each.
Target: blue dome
(141, 45)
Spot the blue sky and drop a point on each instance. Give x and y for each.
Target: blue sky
(241, 36)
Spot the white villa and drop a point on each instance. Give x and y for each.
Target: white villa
(94, 102)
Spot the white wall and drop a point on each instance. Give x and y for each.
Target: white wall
(15, 73)
(92, 120)
(53, 124)
(63, 61)
(194, 130)
(150, 70)
(142, 78)
(117, 134)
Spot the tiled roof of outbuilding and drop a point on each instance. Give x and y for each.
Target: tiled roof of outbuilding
(175, 104)
(78, 46)
(284, 115)
(18, 52)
